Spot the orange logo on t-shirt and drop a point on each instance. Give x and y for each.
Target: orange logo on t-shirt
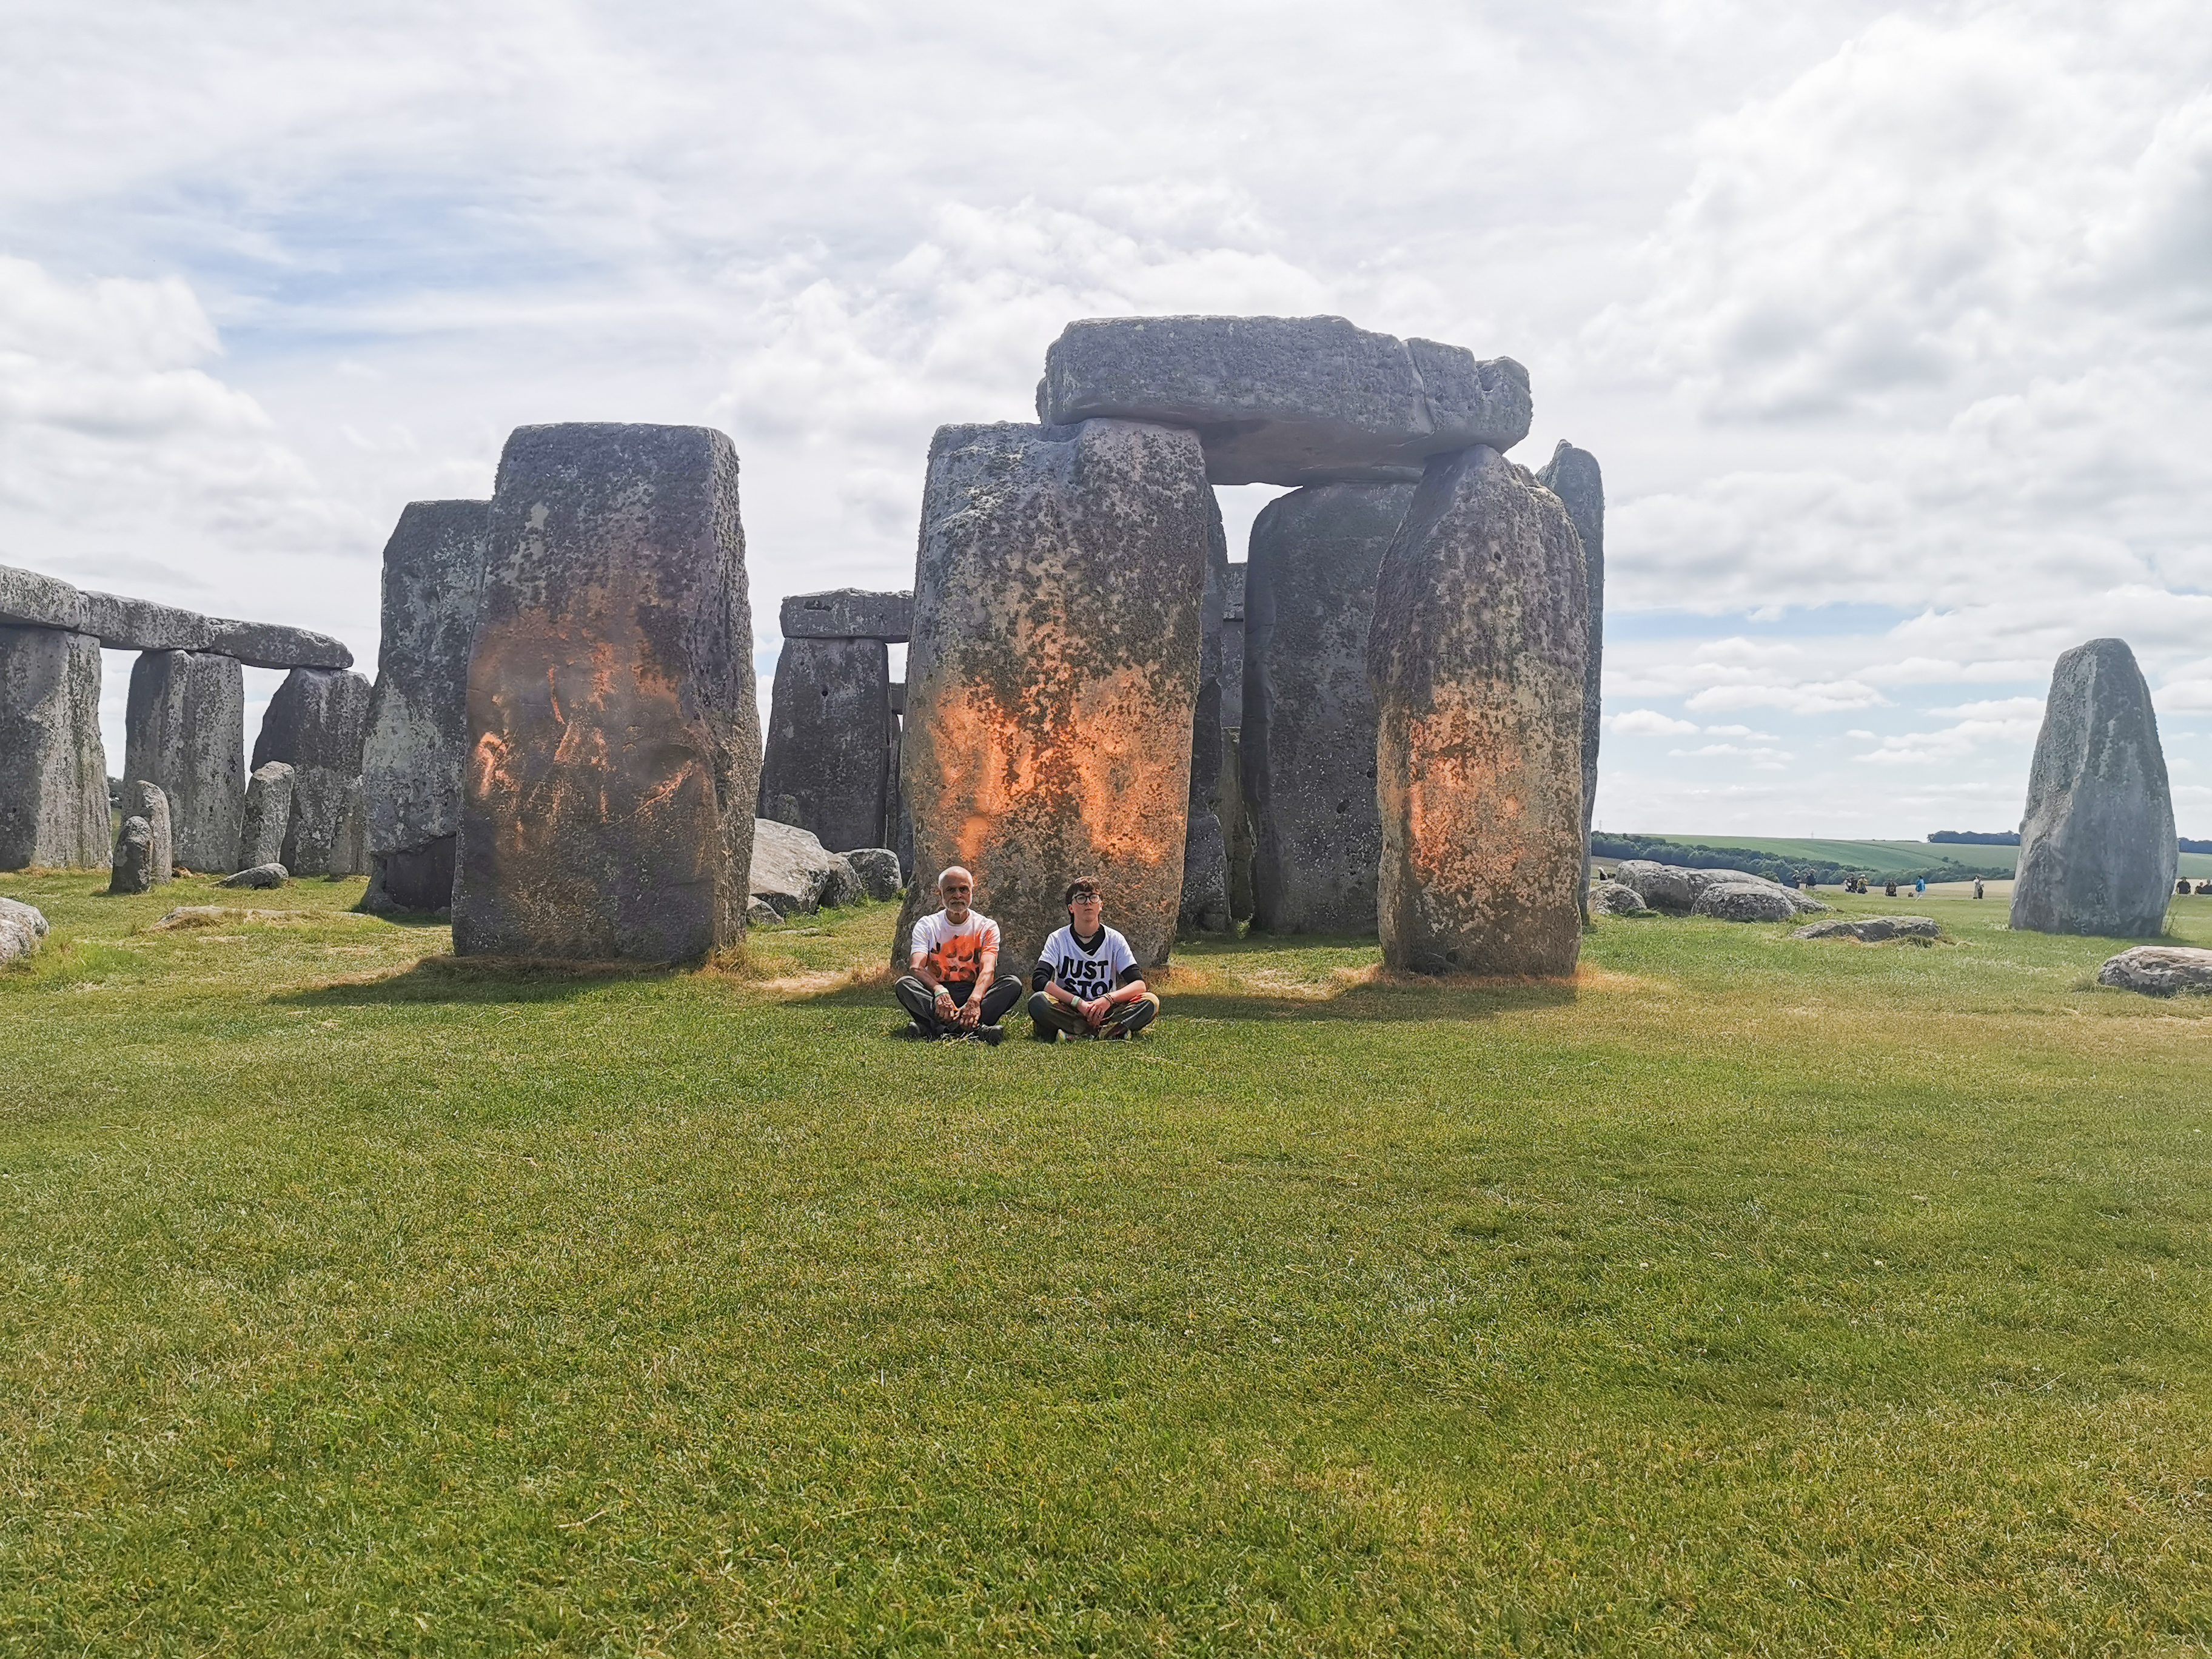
(956, 957)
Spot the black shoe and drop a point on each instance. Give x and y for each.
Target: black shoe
(989, 1035)
(914, 1033)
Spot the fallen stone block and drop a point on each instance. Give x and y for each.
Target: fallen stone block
(22, 929)
(1613, 898)
(614, 741)
(2158, 970)
(261, 875)
(1871, 930)
(878, 868)
(794, 874)
(1287, 400)
(1745, 902)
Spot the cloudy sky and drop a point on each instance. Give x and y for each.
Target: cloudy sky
(1889, 326)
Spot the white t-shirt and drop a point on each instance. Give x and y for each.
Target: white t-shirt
(955, 955)
(1086, 974)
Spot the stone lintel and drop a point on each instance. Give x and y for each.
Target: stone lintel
(849, 613)
(29, 598)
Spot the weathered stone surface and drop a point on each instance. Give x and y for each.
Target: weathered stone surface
(416, 878)
(418, 712)
(878, 868)
(1573, 475)
(1308, 742)
(848, 613)
(318, 717)
(1674, 887)
(759, 913)
(1613, 898)
(268, 818)
(1475, 658)
(1232, 648)
(259, 875)
(1287, 400)
(2160, 970)
(1745, 901)
(614, 744)
(1237, 824)
(321, 835)
(350, 839)
(1871, 930)
(124, 624)
(22, 929)
(2097, 849)
(184, 733)
(1204, 905)
(794, 874)
(1052, 679)
(53, 768)
(131, 869)
(830, 733)
(140, 799)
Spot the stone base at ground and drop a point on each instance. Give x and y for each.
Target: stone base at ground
(1613, 898)
(2158, 970)
(261, 875)
(131, 870)
(142, 799)
(419, 878)
(268, 815)
(878, 867)
(53, 768)
(1871, 930)
(793, 874)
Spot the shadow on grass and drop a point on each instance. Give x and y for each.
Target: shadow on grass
(475, 980)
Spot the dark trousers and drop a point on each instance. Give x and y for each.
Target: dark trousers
(919, 1000)
(1049, 1020)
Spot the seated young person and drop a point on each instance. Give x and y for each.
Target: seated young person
(952, 952)
(1086, 981)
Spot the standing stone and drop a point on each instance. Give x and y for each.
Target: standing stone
(1229, 793)
(184, 733)
(53, 768)
(418, 713)
(140, 799)
(268, 815)
(1572, 475)
(1476, 656)
(1308, 733)
(1204, 907)
(828, 734)
(349, 854)
(2097, 849)
(1053, 678)
(317, 723)
(131, 870)
(614, 743)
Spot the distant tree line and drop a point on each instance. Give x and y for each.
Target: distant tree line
(1774, 867)
(1979, 837)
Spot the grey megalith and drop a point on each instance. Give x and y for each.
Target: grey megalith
(317, 722)
(1574, 477)
(613, 751)
(848, 613)
(1052, 676)
(126, 625)
(1287, 400)
(142, 799)
(1476, 656)
(1308, 740)
(1204, 905)
(184, 733)
(131, 870)
(418, 712)
(268, 814)
(53, 767)
(829, 731)
(2097, 849)
(1236, 822)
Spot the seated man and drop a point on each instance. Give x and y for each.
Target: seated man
(951, 953)
(1086, 981)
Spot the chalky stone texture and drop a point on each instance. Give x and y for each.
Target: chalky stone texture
(257, 875)
(1872, 930)
(1053, 678)
(317, 723)
(1476, 656)
(268, 815)
(829, 730)
(131, 870)
(1573, 475)
(184, 733)
(2097, 849)
(1287, 400)
(2160, 970)
(418, 713)
(324, 833)
(794, 874)
(614, 744)
(1307, 741)
(53, 768)
(1204, 907)
(1613, 898)
(848, 613)
(22, 929)
(142, 799)
(1745, 901)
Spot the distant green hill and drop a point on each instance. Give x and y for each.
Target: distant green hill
(1937, 860)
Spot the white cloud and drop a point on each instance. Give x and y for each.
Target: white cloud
(1648, 723)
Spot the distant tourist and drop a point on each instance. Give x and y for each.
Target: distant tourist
(953, 951)
(1889, 888)
(1978, 887)
(2183, 886)
(1086, 983)
(1919, 885)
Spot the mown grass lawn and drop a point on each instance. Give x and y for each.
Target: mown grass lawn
(1750, 1294)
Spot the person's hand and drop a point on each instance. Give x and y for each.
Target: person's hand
(941, 1004)
(971, 1011)
(1094, 1012)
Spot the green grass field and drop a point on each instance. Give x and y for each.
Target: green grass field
(1884, 856)
(1748, 1295)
